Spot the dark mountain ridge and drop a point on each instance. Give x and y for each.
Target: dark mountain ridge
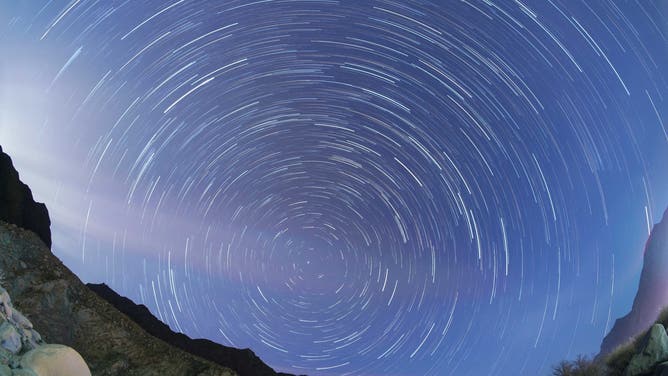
(17, 205)
(115, 336)
(244, 362)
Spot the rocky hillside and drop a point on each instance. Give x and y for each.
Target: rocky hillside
(67, 312)
(114, 335)
(244, 362)
(63, 308)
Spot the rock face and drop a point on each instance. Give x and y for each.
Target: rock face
(17, 205)
(67, 312)
(652, 350)
(652, 293)
(244, 362)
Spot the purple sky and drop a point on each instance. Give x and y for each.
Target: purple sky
(350, 187)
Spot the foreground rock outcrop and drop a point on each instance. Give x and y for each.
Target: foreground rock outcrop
(64, 309)
(67, 312)
(53, 360)
(114, 335)
(652, 293)
(244, 362)
(651, 351)
(17, 205)
(24, 353)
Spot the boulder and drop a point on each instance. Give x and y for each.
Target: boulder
(652, 350)
(23, 372)
(21, 320)
(30, 339)
(10, 339)
(24, 353)
(55, 360)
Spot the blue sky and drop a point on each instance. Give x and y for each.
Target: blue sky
(368, 187)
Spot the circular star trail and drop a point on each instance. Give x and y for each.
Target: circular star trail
(352, 188)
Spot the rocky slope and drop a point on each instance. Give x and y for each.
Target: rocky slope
(244, 362)
(63, 308)
(652, 295)
(114, 335)
(67, 312)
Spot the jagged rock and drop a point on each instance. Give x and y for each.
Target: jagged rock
(16, 332)
(21, 320)
(653, 350)
(17, 205)
(8, 358)
(23, 353)
(5, 303)
(10, 338)
(55, 360)
(30, 339)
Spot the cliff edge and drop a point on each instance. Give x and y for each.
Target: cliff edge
(17, 205)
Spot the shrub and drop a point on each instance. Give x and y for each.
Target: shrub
(619, 359)
(663, 317)
(582, 366)
(564, 368)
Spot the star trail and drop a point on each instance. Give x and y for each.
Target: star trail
(350, 187)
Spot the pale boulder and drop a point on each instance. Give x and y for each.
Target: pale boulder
(55, 360)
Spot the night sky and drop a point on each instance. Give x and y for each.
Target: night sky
(350, 187)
